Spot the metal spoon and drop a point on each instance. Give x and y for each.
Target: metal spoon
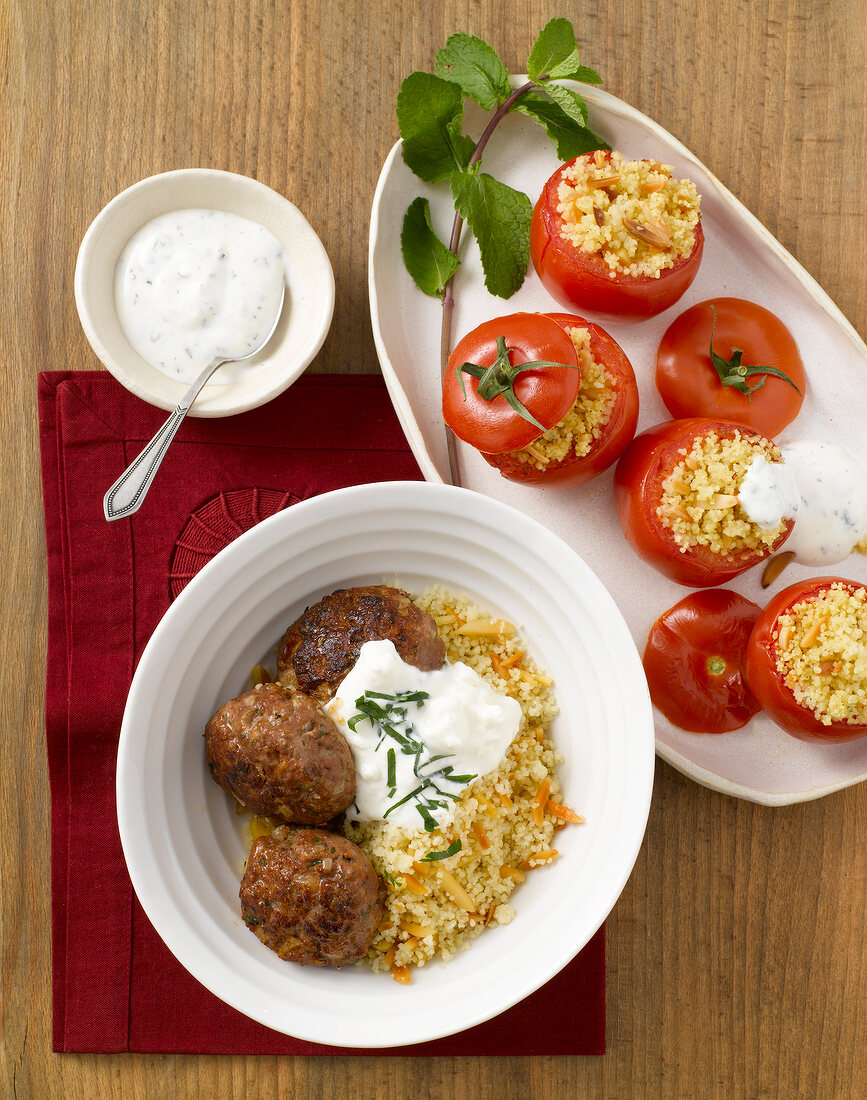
(127, 494)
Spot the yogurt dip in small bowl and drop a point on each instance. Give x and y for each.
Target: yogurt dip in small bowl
(181, 262)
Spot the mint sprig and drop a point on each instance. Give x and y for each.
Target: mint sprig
(430, 114)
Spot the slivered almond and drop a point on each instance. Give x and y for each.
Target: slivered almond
(598, 216)
(775, 567)
(649, 187)
(679, 486)
(785, 637)
(499, 628)
(677, 511)
(812, 635)
(506, 871)
(725, 500)
(645, 233)
(537, 454)
(455, 891)
(829, 668)
(606, 181)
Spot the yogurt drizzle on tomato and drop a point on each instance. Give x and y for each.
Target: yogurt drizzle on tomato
(832, 513)
(195, 285)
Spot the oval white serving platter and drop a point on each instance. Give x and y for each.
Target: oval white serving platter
(185, 845)
(741, 259)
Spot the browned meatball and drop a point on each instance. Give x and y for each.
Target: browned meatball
(318, 650)
(311, 896)
(280, 755)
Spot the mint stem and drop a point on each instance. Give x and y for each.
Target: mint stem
(454, 242)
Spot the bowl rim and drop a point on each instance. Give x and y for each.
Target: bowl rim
(434, 500)
(303, 246)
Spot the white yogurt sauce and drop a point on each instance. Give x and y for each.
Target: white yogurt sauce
(832, 513)
(769, 492)
(195, 285)
(455, 731)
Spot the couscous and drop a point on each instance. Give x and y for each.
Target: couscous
(700, 502)
(506, 822)
(634, 213)
(586, 420)
(821, 653)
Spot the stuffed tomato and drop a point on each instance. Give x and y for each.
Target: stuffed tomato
(583, 407)
(621, 239)
(703, 500)
(807, 659)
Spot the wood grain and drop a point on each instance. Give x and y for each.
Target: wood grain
(738, 951)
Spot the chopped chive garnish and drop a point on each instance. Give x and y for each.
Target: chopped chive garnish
(386, 713)
(452, 850)
(394, 882)
(392, 770)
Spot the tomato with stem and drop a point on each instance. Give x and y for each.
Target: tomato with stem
(732, 359)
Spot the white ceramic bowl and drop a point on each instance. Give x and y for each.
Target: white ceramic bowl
(306, 315)
(184, 843)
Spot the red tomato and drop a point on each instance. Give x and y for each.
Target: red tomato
(493, 426)
(638, 479)
(689, 384)
(614, 437)
(694, 662)
(583, 279)
(766, 681)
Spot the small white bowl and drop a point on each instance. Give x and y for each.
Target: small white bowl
(309, 287)
(185, 845)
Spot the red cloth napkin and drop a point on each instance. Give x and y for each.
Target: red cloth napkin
(116, 986)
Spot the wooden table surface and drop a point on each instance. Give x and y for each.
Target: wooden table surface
(737, 954)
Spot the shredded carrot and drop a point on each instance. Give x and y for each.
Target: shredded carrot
(564, 813)
(540, 799)
(481, 837)
(501, 665)
(506, 871)
(415, 887)
(489, 915)
(400, 974)
(539, 857)
(505, 800)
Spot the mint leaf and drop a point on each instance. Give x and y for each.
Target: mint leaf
(579, 72)
(567, 136)
(427, 259)
(555, 48)
(429, 113)
(569, 101)
(476, 68)
(499, 218)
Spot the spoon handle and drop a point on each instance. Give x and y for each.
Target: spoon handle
(127, 494)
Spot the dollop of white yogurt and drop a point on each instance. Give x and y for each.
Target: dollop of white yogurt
(832, 512)
(415, 760)
(769, 492)
(194, 285)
